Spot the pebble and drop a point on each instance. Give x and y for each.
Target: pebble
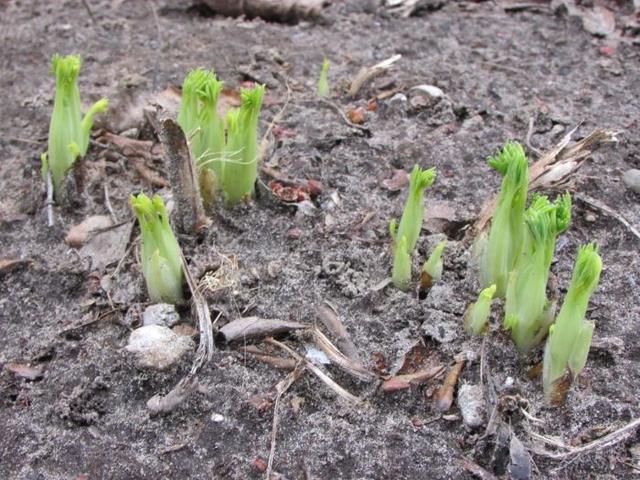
(163, 314)
(471, 404)
(631, 179)
(157, 347)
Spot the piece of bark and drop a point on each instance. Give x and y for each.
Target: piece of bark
(284, 11)
(254, 327)
(188, 216)
(443, 398)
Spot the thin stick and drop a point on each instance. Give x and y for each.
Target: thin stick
(281, 388)
(343, 116)
(86, 6)
(607, 441)
(107, 203)
(598, 205)
(49, 199)
(319, 373)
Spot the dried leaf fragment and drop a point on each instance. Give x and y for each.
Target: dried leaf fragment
(80, 233)
(25, 371)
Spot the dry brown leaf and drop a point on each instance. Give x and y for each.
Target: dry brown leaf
(8, 264)
(80, 233)
(398, 180)
(25, 371)
(107, 246)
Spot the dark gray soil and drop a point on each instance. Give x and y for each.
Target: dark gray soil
(86, 416)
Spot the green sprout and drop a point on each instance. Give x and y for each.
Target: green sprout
(239, 165)
(323, 81)
(198, 115)
(433, 265)
(405, 236)
(507, 228)
(68, 131)
(567, 348)
(527, 311)
(477, 314)
(225, 150)
(161, 257)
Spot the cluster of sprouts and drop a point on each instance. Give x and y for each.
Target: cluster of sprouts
(515, 256)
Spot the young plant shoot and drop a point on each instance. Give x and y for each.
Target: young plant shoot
(68, 132)
(198, 115)
(527, 311)
(161, 259)
(565, 354)
(499, 255)
(405, 236)
(323, 80)
(433, 266)
(239, 166)
(477, 314)
(225, 150)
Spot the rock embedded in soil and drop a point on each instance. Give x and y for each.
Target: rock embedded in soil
(163, 314)
(472, 405)
(157, 347)
(631, 179)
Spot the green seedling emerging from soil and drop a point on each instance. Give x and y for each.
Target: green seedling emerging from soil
(69, 131)
(500, 252)
(405, 236)
(477, 315)
(565, 354)
(161, 258)
(432, 268)
(225, 150)
(527, 311)
(323, 80)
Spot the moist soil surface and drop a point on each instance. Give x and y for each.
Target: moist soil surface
(73, 401)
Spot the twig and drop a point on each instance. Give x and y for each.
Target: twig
(156, 20)
(319, 373)
(535, 150)
(343, 116)
(86, 6)
(264, 143)
(107, 203)
(338, 358)
(598, 205)
(281, 388)
(49, 199)
(368, 73)
(607, 441)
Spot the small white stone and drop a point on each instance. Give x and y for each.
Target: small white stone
(157, 347)
(217, 418)
(163, 314)
(631, 179)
